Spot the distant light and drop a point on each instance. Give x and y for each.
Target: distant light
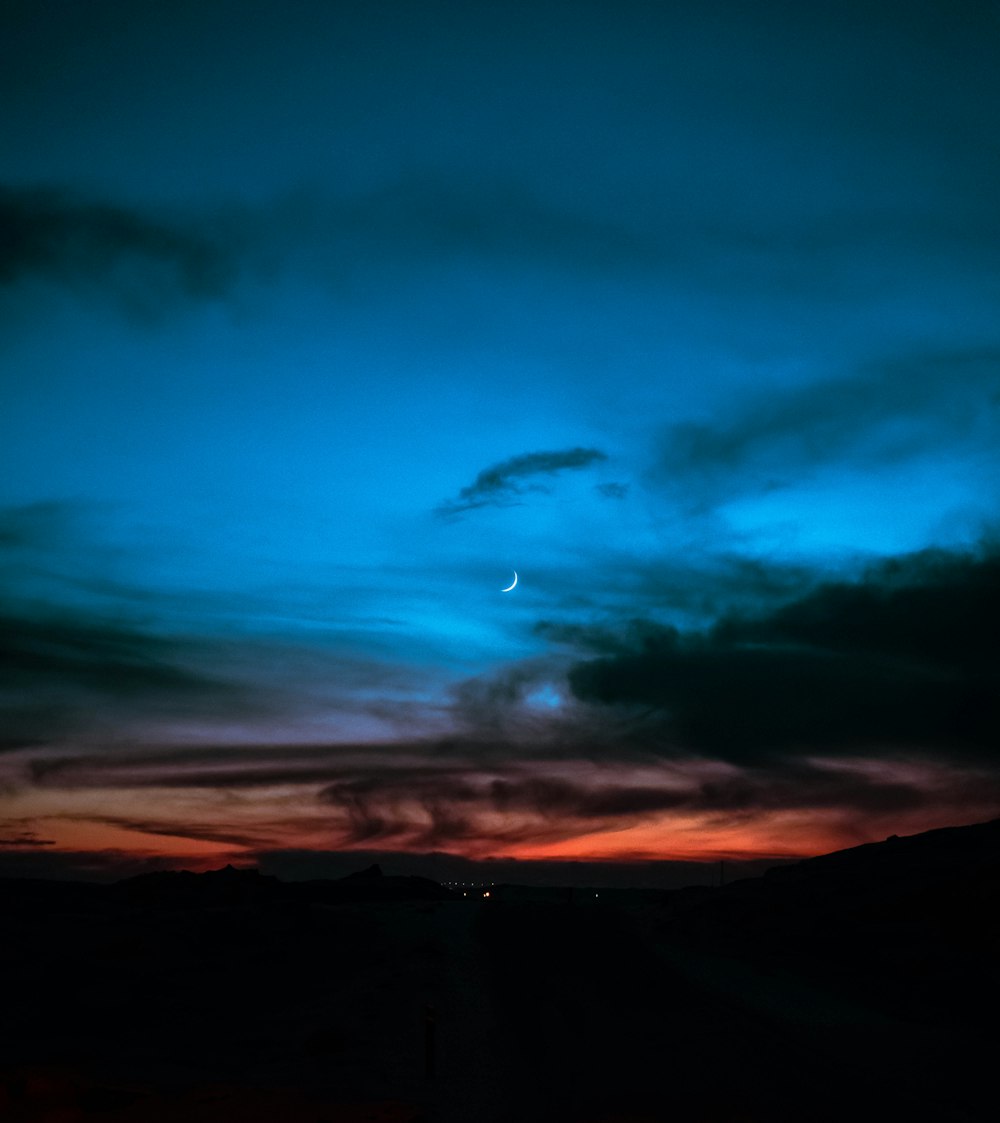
(487, 893)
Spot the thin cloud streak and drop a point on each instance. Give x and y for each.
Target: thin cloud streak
(502, 484)
(887, 413)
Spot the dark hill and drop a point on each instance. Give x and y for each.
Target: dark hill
(223, 888)
(910, 925)
(227, 886)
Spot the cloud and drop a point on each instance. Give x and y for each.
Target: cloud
(81, 652)
(887, 413)
(233, 767)
(144, 258)
(783, 706)
(903, 659)
(935, 608)
(74, 659)
(453, 796)
(64, 672)
(599, 639)
(691, 586)
(198, 832)
(87, 244)
(793, 785)
(502, 484)
(480, 812)
(97, 655)
(20, 838)
(479, 809)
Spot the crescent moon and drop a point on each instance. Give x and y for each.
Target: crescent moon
(511, 585)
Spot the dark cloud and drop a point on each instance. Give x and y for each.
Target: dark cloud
(503, 483)
(507, 805)
(492, 706)
(103, 656)
(414, 797)
(934, 608)
(174, 829)
(86, 244)
(887, 413)
(79, 650)
(902, 659)
(441, 812)
(692, 588)
(71, 655)
(146, 259)
(601, 639)
(419, 797)
(234, 766)
(20, 839)
(896, 665)
(68, 672)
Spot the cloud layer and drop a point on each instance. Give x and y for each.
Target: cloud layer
(818, 706)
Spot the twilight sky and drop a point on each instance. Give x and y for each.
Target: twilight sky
(319, 320)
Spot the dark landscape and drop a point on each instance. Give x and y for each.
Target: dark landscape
(861, 984)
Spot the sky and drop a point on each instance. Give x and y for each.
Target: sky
(320, 321)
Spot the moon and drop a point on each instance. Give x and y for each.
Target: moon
(511, 585)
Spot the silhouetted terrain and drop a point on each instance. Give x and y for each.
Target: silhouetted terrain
(859, 985)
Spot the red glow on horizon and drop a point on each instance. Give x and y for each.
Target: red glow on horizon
(170, 828)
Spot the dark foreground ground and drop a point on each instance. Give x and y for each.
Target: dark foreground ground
(862, 985)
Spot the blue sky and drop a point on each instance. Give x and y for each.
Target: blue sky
(319, 321)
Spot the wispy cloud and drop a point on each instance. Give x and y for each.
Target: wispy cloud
(67, 671)
(18, 837)
(139, 258)
(887, 413)
(475, 807)
(502, 484)
(147, 258)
